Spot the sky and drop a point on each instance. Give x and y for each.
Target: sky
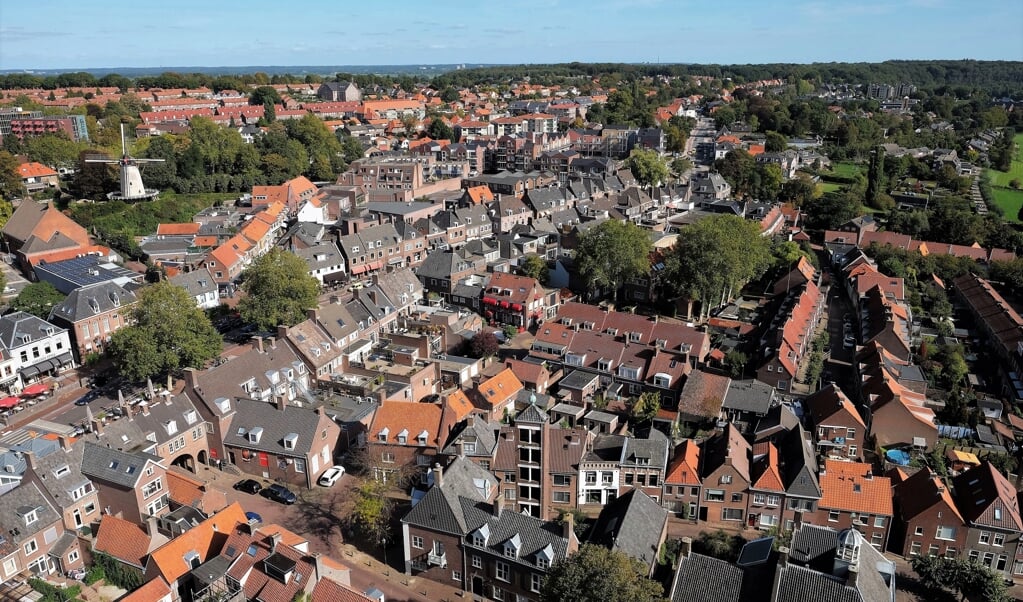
(71, 34)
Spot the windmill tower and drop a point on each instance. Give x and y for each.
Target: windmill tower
(132, 188)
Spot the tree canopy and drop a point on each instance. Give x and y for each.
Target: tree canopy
(715, 257)
(597, 574)
(534, 266)
(37, 298)
(484, 344)
(612, 252)
(648, 166)
(969, 578)
(169, 333)
(278, 290)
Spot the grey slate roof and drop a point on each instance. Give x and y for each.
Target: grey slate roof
(606, 448)
(113, 465)
(704, 579)
(87, 301)
(807, 585)
(440, 509)
(321, 256)
(534, 535)
(276, 425)
(816, 546)
(654, 449)
(18, 502)
(160, 423)
(484, 435)
(799, 474)
(60, 488)
(749, 396)
(532, 414)
(16, 324)
(197, 282)
(631, 524)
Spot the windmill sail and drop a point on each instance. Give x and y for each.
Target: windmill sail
(132, 188)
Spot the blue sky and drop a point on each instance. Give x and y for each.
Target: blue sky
(71, 34)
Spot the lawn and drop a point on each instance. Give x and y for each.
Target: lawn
(1010, 201)
(830, 187)
(846, 169)
(1002, 178)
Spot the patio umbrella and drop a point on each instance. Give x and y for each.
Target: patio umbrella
(9, 402)
(35, 389)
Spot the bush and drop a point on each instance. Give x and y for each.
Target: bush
(117, 573)
(96, 573)
(52, 593)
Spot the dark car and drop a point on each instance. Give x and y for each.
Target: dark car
(85, 399)
(248, 486)
(280, 493)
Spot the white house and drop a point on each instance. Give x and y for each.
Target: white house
(37, 348)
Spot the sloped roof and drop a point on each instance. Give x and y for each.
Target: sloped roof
(985, 497)
(852, 487)
(631, 524)
(409, 416)
(729, 444)
(123, 540)
(202, 539)
(703, 394)
(685, 467)
(921, 491)
(766, 475)
(704, 579)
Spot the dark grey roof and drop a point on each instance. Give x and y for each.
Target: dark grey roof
(63, 543)
(632, 524)
(71, 273)
(704, 579)
(442, 263)
(15, 325)
(113, 465)
(749, 396)
(780, 419)
(799, 464)
(532, 414)
(533, 535)
(67, 464)
(811, 543)
(276, 424)
(577, 379)
(196, 282)
(440, 509)
(87, 301)
(17, 503)
(477, 431)
(606, 448)
(159, 423)
(344, 409)
(652, 451)
(320, 256)
(807, 585)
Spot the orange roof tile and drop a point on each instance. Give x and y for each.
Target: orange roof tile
(177, 229)
(684, 468)
(411, 417)
(851, 486)
(328, 590)
(480, 194)
(498, 389)
(123, 540)
(35, 170)
(167, 559)
(255, 230)
(154, 590)
(458, 402)
(765, 468)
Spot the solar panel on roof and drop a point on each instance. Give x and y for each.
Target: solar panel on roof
(756, 551)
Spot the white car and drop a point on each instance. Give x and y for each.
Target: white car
(331, 476)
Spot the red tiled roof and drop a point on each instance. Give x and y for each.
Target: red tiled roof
(328, 590)
(154, 590)
(35, 170)
(177, 229)
(202, 539)
(765, 472)
(846, 486)
(703, 394)
(398, 416)
(498, 389)
(685, 466)
(123, 540)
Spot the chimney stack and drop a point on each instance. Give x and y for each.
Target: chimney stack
(852, 576)
(151, 525)
(282, 331)
(145, 408)
(65, 442)
(685, 547)
(321, 570)
(258, 341)
(280, 401)
(783, 556)
(498, 504)
(438, 475)
(189, 378)
(568, 525)
(274, 540)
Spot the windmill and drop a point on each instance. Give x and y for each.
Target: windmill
(132, 188)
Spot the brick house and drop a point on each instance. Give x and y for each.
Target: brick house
(853, 497)
(167, 427)
(990, 506)
(131, 485)
(927, 520)
(92, 313)
(35, 541)
(838, 429)
(725, 473)
(682, 484)
(67, 489)
(789, 337)
(516, 300)
(408, 435)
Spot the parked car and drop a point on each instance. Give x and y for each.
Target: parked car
(280, 493)
(248, 486)
(252, 516)
(331, 476)
(88, 397)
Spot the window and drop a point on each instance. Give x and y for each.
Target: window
(607, 478)
(985, 537)
(999, 539)
(715, 495)
(477, 562)
(759, 499)
(850, 433)
(73, 556)
(299, 465)
(417, 542)
(731, 513)
(725, 479)
(497, 594)
(387, 458)
(932, 550)
(31, 546)
(736, 497)
(456, 575)
(152, 487)
(502, 571)
(90, 508)
(535, 582)
(562, 497)
(562, 480)
(919, 531)
(591, 478)
(942, 533)
(853, 451)
(879, 521)
(914, 549)
(833, 516)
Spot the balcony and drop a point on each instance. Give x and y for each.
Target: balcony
(435, 559)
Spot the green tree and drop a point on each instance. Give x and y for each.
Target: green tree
(969, 578)
(168, 333)
(351, 148)
(648, 166)
(735, 362)
(738, 168)
(644, 408)
(534, 266)
(265, 95)
(440, 130)
(612, 252)
(680, 165)
(714, 258)
(279, 290)
(775, 142)
(875, 177)
(371, 513)
(38, 298)
(10, 179)
(597, 574)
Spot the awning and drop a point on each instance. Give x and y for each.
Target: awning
(517, 306)
(358, 269)
(396, 261)
(505, 305)
(30, 371)
(9, 402)
(35, 389)
(64, 359)
(489, 301)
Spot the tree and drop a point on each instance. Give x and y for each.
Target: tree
(279, 290)
(648, 166)
(351, 148)
(775, 142)
(969, 578)
(714, 258)
(168, 333)
(644, 407)
(38, 298)
(597, 574)
(10, 179)
(612, 252)
(535, 267)
(440, 130)
(875, 176)
(737, 168)
(735, 361)
(372, 511)
(484, 344)
(265, 95)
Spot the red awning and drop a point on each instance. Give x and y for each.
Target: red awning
(517, 306)
(505, 305)
(9, 402)
(36, 389)
(489, 301)
(358, 269)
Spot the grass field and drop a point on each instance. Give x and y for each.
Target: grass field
(1010, 201)
(846, 169)
(830, 187)
(1002, 178)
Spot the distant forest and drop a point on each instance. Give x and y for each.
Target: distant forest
(998, 78)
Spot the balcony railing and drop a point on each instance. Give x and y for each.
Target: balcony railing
(440, 560)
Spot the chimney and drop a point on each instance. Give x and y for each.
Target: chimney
(170, 385)
(151, 526)
(30, 459)
(189, 378)
(321, 570)
(852, 576)
(373, 297)
(272, 341)
(438, 475)
(568, 525)
(797, 519)
(65, 442)
(282, 331)
(258, 344)
(280, 401)
(498, 504)
(274, 540)
(145, 408)
(314, 313)
(783, 556)
(685, 547)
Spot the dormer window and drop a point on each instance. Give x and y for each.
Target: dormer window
(384, 432)
(255, 434)
(171, 426)
(29, 514)
(423, 436)
(191, 416)
(512, 546)
(403, 436)
(290, 440)
(481, 535)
